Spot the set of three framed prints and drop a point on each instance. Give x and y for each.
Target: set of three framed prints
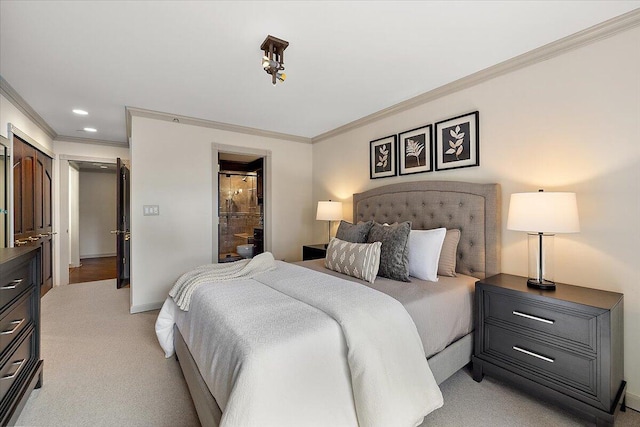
(456, 145)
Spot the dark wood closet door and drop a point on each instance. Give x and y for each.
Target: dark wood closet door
(33, 213)
(44, 188)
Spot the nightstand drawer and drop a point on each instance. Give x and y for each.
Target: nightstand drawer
(552, 319)
(562, 367)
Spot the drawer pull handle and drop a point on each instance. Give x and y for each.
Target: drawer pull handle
(16, 324)
(20, 364)
(531, 353)
(539, 319)
(12, 285)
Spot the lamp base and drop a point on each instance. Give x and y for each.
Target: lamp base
(541, 284)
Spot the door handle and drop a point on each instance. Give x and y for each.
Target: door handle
(116, 232)
(42, 235)
(20, 242)
(51, 233)
(33, 239)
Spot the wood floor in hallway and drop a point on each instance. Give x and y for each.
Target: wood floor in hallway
(93, 269)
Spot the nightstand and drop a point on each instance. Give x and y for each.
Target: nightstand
(314, 251)
(564, 345)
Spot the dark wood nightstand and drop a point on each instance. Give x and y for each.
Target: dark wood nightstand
(563, 345)
(314, 251)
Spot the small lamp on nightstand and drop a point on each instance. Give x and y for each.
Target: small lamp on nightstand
(329, 211)
(542, 215)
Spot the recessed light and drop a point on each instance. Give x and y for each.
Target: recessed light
(80, 112)
(90, 130)
(104, 167)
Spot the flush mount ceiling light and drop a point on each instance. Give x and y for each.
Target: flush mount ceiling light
(80, 112)
(273, 59)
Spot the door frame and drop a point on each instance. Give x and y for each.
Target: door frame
(233, 149)
(61, 244)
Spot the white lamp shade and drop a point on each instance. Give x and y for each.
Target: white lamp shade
(543, 212)
(329, 211)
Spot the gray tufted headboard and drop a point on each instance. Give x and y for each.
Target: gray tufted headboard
(474, 209)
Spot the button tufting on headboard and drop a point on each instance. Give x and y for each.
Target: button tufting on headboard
(474, 209)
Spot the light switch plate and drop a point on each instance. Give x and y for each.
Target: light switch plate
(150, 210)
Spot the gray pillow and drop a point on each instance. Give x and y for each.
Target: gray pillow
(394, 253)
(359, 260)
(449, 253)
(354, 233)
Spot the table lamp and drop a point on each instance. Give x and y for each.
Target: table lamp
(542, 215)
(329, 211)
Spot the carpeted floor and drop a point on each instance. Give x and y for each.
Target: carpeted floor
(104, 367)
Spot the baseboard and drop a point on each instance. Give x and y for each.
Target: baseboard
(633, 401)
(75, 265)
(97, 256)
(145, 307)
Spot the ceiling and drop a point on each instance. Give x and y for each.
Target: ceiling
(202, 59)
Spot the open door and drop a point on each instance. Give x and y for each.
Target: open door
(123, 234)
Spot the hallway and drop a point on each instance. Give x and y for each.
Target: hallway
(93, 269)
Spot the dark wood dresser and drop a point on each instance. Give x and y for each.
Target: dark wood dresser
(563, 345)
(20, 364)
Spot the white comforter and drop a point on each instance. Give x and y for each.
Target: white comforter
(297, 347)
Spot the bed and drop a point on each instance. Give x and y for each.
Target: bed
(472, 208)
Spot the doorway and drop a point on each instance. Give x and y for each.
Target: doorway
(241, 203)
(92, 217)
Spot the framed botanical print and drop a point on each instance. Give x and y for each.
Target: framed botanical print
(458, 142)
(382, 154)
(414, 151)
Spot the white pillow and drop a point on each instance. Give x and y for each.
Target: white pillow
(424, 253)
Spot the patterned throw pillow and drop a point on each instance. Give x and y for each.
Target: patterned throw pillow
(359, 260)
(354, 233)
(394, 253)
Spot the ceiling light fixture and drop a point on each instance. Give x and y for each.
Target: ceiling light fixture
(80, 112)
(273, 59)
(90, 130)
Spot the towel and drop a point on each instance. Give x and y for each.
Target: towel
(246, 268)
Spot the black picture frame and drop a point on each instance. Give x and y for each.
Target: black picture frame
(457, 142)
(415, 151)
(382, 157)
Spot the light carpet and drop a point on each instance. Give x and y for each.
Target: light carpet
(104, 367)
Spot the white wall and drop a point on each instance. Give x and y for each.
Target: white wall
(74, 217)
(10, 114)
(97, 213)
(172, 166)
(570, 123)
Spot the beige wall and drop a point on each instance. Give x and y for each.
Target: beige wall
(569, 123)
(172, 166)
(97, 213)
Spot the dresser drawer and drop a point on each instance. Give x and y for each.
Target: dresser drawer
(17, 363)
(16, 320)
(14, 281)
(570, 325)
(577, 371)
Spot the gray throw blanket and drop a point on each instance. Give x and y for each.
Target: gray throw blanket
(246, 268)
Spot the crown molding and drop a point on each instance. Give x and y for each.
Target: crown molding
(66, 138)
(590, 35)
(14, 97)
(185, 120)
